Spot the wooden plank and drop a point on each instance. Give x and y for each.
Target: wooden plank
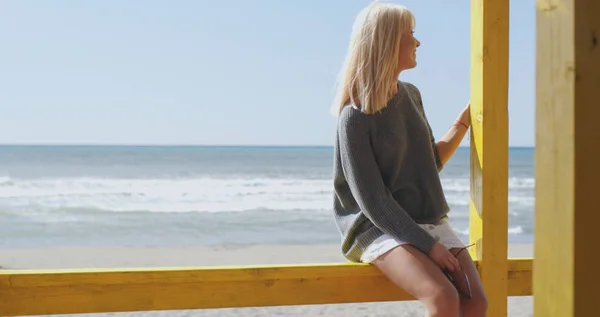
(489, 147)
(520, 277)
(32, 292)
(566, 275)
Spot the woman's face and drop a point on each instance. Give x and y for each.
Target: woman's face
(408, 51)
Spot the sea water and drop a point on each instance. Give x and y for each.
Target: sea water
(194, 195)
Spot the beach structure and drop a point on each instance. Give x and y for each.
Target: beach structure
(563, 276)
(566, 277)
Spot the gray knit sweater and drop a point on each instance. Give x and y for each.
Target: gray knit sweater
(386, 176)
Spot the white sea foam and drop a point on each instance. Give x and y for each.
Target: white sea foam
(463, 184)
(198, 194)
(517, 230)
(168, 195)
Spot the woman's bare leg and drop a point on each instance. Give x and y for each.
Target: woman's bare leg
(414, 272)
(477, 305)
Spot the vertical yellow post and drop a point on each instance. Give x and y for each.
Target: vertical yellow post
(489, 147)
(566, 274)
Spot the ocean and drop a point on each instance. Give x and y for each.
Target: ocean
(196, 195)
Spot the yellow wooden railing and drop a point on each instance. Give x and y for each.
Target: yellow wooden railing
(25, 292)
(567, 114)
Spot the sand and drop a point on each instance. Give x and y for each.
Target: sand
(104, 257)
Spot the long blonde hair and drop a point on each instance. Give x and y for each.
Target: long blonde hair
(371, 65)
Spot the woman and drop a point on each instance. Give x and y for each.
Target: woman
(389, 204)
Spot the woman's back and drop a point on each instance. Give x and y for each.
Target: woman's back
(392, 156)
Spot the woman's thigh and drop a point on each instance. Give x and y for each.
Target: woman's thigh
(417, 274)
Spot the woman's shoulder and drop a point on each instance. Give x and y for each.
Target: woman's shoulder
(411, 88)
(351, 120)
(352, 112)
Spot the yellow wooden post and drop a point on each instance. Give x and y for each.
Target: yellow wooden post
(567, 213)
(489, 147)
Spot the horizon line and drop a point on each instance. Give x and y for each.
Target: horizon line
(192, 145)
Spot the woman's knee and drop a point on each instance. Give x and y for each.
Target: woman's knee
(444, 301)
(475, 307)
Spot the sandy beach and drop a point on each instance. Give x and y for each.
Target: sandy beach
(105, 257)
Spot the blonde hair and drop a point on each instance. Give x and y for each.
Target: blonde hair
(371, 65)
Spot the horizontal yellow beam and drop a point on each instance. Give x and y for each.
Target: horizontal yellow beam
(36, 292)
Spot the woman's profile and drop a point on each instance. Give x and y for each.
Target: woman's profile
(389, 204)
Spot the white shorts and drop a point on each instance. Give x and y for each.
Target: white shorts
(441, 231)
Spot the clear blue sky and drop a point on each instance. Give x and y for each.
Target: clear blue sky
(221, 72)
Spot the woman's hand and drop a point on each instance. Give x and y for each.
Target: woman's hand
(465, 115)
(443, 258)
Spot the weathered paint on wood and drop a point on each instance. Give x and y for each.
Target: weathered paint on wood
(566, 158)
(48, 292)
(489, 147)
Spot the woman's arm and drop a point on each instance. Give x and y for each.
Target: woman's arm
(448, 144)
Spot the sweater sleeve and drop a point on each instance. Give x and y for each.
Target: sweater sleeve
(419, 102)
(367, 187)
